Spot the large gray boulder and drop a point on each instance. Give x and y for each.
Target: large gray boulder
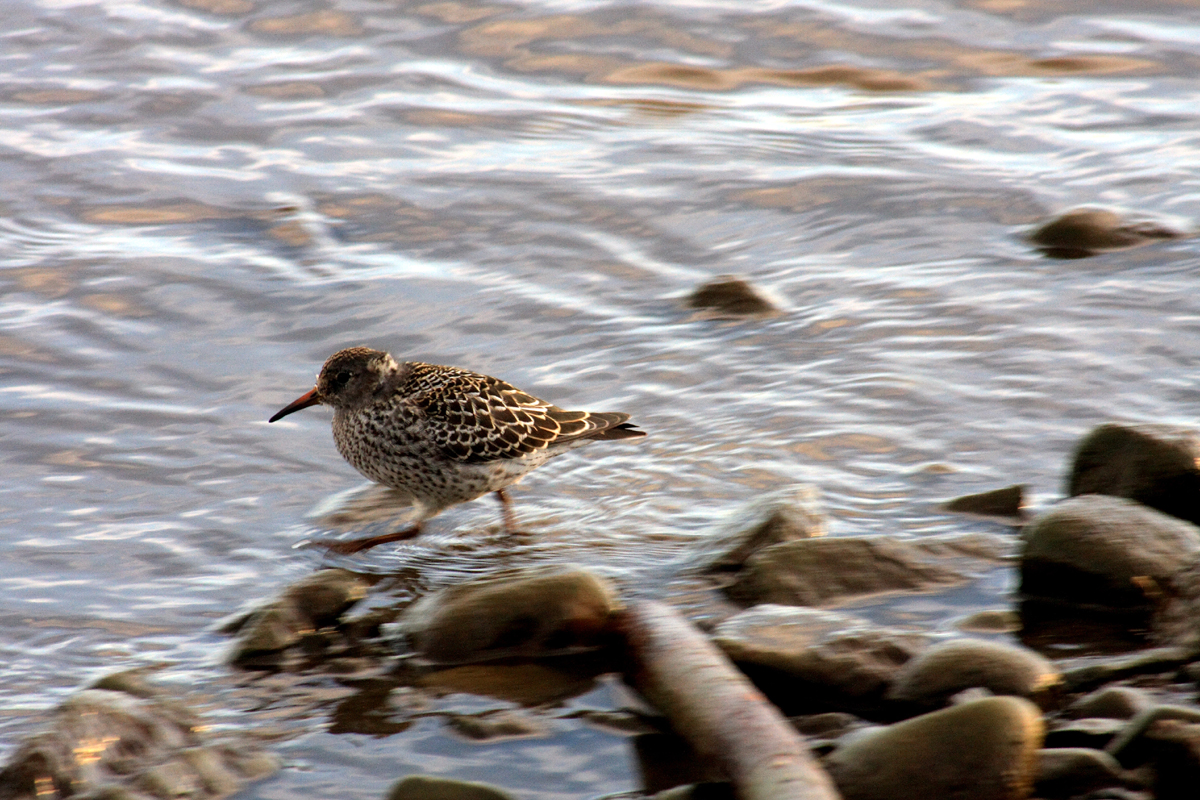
(1095, 551)
(1156, 465)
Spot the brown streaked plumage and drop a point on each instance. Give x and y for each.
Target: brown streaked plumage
(441, 434)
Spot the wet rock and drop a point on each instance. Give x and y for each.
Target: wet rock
(109, 743)
(1168, 738)
(1177, 621)
(945, 669)
(1097, 671)
(1130, 744)
(428, 787)
(729, 296)
(811, 572)
(784, 515)
(1106, 552)
(1086, 231)
(985, 750)
(1176, 761)
(1090, 732)
(1007, 504)
(537, 611)
(1156, 465)
(803, 657)
(1111, 702)
(1075, 771)
(490, 726)
(697, 791)
(990, 621)
(316, 601)
(527, 684)
(666, 760)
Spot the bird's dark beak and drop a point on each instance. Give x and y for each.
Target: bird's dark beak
(303, 401)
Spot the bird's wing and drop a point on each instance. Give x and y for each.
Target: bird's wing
(475, 419)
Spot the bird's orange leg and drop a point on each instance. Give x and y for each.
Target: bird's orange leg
(352, 546)
(510, 519)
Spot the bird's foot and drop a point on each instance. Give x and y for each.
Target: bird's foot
(348, 547)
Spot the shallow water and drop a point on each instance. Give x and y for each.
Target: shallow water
(202, 200)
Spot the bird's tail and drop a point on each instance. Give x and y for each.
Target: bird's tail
(615, 426)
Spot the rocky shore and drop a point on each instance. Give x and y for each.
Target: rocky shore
(754, 678)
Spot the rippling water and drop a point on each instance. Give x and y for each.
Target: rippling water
(201, 200)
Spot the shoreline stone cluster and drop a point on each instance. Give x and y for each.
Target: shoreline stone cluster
(758, 687)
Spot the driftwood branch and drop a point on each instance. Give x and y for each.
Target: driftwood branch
(716, 708)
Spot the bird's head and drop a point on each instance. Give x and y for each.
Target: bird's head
(350, 378)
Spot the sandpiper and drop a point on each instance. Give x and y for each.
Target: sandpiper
(442, 435)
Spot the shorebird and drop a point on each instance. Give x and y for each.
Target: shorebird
(442, 435)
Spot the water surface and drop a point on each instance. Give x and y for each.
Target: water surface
(202, 200)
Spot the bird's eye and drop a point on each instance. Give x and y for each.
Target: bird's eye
(339, 380)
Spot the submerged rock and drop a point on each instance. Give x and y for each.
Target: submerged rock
(784, 515)
(811, 572)
(535, 611)
(729, 296)
(985, 749)
(990, 621)
(1086, 231)
(429, 787)
(525, 683)
(1107, 552)
(316, 601)
(804, 658)
(142, 744)
(493, 725)
(947, 668)
(1156, 465)
(1007, 503)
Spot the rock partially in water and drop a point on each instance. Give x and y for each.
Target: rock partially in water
(1006, 504)
(1077, 771)
(805, 658)
(1112, 702)
(526, 683)
(812, 572)
(666, 760)
(1168, 738)
(985, 749)
(494, 725)
(1177, 621)
(990, 621)
(1105, 552)
(1089, 733)
(144, 744)
(429, 787)
(1099, 670)
(697, 791)
(1176, 750)
(947, 668)
(730, 296)
(1156, 465)
(1087, 231)
(784, 515)
(528, 612)
(316, 601)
